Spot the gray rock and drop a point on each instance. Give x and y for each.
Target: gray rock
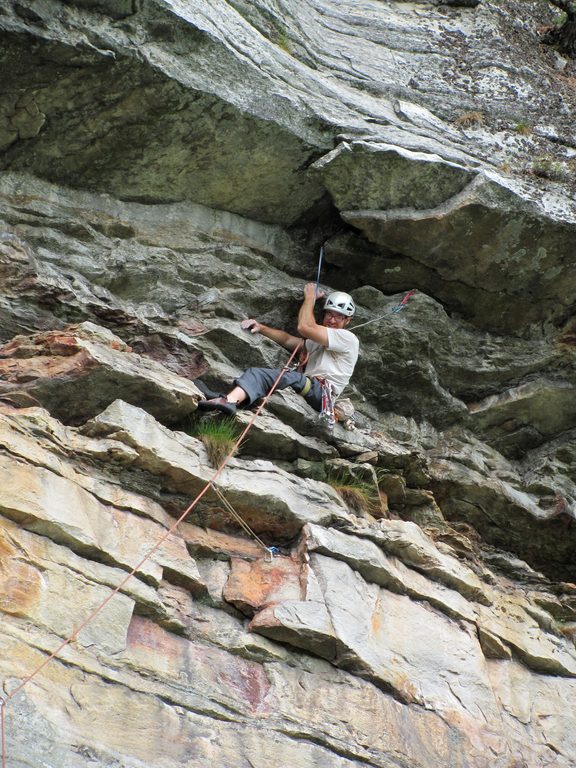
(271, 501)
(170, 168)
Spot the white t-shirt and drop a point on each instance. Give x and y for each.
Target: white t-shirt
(336, 361)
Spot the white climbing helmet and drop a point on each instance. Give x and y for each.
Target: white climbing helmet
(340, 302)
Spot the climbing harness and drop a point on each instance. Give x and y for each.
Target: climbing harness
(330, 411)
(270, 552)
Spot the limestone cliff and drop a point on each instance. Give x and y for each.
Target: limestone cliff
(170, 167)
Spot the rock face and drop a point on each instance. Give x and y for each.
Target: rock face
(169, 168)
(77, 373)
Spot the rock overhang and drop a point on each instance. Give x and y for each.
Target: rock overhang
(504, 245)
(109, 122)
(193, 117)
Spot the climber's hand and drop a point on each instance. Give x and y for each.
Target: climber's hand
(251, 325)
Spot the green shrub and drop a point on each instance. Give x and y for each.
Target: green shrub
(560, 19)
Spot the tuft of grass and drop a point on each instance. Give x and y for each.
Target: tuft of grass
(524, 129)
(219, 435)
(359, 495)
(560, 19)
(265, 21)
(283, 41)
(469, 119)
(547, 167)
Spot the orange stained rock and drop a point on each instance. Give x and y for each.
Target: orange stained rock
(254, 585)
(19, 582)
(52, 342)
(206, 541)
(195, 665)
(376, 623)
(26, 370)
(145, 636)
(59, 344)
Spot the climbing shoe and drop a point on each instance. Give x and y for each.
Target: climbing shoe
(218, 404)
(208, 393)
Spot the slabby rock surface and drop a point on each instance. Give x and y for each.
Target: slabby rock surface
(169, 168)
(421, 646)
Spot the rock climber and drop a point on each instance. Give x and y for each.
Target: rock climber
(330, 354)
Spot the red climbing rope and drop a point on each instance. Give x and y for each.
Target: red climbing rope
(161, 540)
(2, 705)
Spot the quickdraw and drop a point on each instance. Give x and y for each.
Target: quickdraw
(327, 413)
(319, 270)
(399, 307)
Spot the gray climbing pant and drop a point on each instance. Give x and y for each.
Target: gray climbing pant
(256, 382)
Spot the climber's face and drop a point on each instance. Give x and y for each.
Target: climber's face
(335, 319)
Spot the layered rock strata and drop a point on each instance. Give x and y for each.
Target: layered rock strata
(428, 628)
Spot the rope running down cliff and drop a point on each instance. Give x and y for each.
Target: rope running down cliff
(210, 484)
(2, 706)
